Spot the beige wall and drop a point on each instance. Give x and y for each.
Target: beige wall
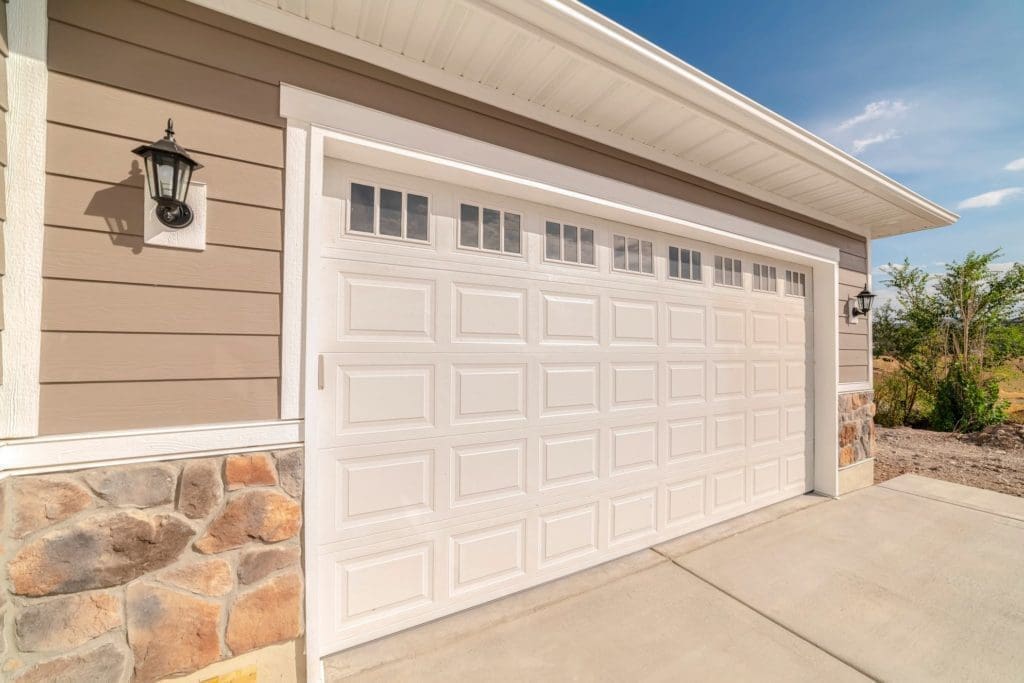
(136, 336)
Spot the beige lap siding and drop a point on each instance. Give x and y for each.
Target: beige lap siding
(854, 350)
(113, 82)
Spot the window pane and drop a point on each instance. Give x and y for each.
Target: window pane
(390, 213)
(587, 246)
(620, 252)
(417, 218)
(492, 230)
(647, 256)
(513, 236)
(673, 261)
(719, 271)
(684, 265)
(695, 272)
(633, 254)
(469, 226)
(361, 208)
(570, 247)
(553, 241)
(737, 273)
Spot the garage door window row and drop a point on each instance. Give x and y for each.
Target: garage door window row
(386, 212)
(568, 244)
(490, 230)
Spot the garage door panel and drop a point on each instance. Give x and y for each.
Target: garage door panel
(488, 422)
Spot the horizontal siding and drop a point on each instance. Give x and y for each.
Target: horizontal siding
(853, 373)
(65, 408)
(112, 357)
(112, 208)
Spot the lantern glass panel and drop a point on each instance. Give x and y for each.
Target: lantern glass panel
(184, 174)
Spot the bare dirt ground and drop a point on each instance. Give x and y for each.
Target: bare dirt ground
(991, 460)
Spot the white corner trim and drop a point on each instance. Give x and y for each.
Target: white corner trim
(855, 387)
(364, 135)
(49, 453)
(293, 268)
(25, 184)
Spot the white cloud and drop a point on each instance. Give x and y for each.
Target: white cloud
(1015, 165)
(882, 109)
(989, 199)
(1002, 267)
(863, 143)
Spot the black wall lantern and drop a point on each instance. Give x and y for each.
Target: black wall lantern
(168, 171)
(864, 300)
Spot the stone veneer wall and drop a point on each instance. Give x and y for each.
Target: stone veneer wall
(140, 572)
(856, 427)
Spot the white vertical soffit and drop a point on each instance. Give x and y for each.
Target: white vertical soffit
(293, 268)
(23, 235)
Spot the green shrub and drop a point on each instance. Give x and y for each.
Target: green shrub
(964, 402)
(897, 397)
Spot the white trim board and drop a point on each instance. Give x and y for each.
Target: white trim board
(855, 387)
(25, 186)
(293, 268)
(76, 451)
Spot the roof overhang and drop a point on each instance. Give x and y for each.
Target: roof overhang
(561, 63)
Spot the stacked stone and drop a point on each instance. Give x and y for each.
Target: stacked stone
(856, 427)
(146, 571)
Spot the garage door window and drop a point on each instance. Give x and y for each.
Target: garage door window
(633, 255)
(796, 283)
(728, 271)
(388, 213)
(490, 230)
(684, 264)
(765, 278)
(568, 243)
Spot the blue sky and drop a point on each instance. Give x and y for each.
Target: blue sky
(929, 93)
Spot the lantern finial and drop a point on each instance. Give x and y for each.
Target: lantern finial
(170, 129)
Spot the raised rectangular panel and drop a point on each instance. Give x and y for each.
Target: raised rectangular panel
(388, 582)
(633, 515)
(568, 533)
(726, 489)
(765, 377)
(570, 318)
(386, 486)
(391, 308)
(765, 478)
(765, 329)
(634, 385)
(730, 380)
(570, 388)
(569, 459)
(766, 426)
(485, 557)
(686, 326)
(685, 383)
(729, 327)
(484, 393)
(796, 418)
(634, 448)
(729, 431)
(485, 314)
(685, 501)
(392, 397)
(796, 334)
(634, 322)
(796, 376)
(796, 470)
(488, 472)
(686, 439)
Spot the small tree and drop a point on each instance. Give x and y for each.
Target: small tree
(948, 332)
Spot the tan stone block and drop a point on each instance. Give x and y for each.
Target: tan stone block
(104, 663)
(848, 433)
(252, 469)
(99, 551)
(290, 471)
(134, 485)
(270, 613)
(258, 563)
(67, 622)
(847, 456)
(171, 632)
(40, 502)
(212, 577)
(263, 515)
(201, 489)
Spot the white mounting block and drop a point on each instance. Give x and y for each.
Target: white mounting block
(192, 236)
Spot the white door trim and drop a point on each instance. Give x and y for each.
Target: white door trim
(365, 136)
(23, 234)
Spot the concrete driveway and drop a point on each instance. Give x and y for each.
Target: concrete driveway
(914, 579)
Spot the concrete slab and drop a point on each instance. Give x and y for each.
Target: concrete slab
(659, 624)
(902, 585)
(958, 494)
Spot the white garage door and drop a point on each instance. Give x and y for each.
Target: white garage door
(512, 392)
